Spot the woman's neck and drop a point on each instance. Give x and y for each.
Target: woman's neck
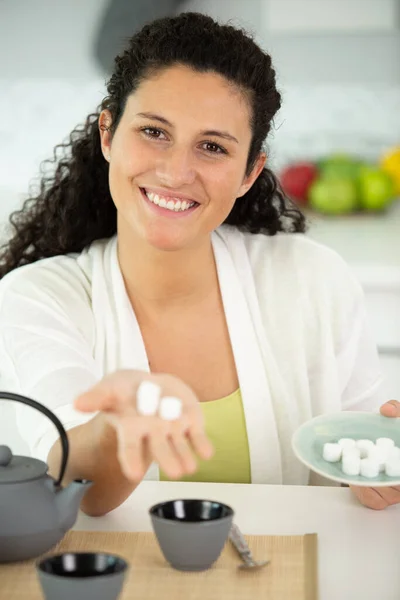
(162, 280)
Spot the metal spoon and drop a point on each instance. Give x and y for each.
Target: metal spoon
(240, 544)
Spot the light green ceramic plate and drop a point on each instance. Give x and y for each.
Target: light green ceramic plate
(308, 442)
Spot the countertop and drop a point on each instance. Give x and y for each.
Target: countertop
(370, 244)
(358, 548)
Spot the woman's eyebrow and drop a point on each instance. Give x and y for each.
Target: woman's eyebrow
(214, 132)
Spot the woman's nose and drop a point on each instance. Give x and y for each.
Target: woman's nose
(176, 167)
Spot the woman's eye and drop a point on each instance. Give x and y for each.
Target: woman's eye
(214, 148)
(152, 132)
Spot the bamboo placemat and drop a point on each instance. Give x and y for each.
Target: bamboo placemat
(291, 575)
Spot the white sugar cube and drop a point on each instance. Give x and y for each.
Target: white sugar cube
(369, 467)
(170, 408)
(385, 443)
(393, 453)
(148, 398)
(351, 452)
(332, 452)
(364, 446)
(392, 467)
(351, 461)
(378, 454)
(347, 443)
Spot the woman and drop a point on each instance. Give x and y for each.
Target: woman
(163, 250)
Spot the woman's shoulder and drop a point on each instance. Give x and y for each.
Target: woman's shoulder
(293, 256)
(294, 250)
(61, 278)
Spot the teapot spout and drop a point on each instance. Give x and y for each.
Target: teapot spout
(68, 500)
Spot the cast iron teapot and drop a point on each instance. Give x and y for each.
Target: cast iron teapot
(35, 511)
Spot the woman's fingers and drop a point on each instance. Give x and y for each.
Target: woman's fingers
(377, 498)
(391, 409)
(182, 447)
(194, 429)
(369, 497)
(131, 449)
(131, 459)
(166, 456)
(172, 444)
(200, 442)
(390, 494)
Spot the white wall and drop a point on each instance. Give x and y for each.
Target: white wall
(48, 38)
(54, 38)
(339, 16)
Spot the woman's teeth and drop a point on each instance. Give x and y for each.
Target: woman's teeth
(174, 205)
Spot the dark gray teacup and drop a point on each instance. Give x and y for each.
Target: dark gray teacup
(81, 576)
(191, 533)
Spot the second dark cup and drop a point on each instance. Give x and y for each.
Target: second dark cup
(82, 576)
(191, 533)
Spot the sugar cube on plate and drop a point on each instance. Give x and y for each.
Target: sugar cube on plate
(393, 453)
(386, 443)
(369, 467)
(332, 452)
(347, 443)
(392, 467)
(365, 446)
(380, 455)
(351, 461)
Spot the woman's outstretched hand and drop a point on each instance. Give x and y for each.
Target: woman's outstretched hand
(173, 444)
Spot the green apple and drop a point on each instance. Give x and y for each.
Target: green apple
(334, 196)
(341, 166)
(376, 189)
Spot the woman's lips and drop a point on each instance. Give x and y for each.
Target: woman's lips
(169, 194)
(166, 211)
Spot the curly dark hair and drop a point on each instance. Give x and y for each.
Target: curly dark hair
(73, 206)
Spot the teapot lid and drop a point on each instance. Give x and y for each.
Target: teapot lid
(17, 469)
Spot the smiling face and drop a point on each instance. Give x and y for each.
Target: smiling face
(178, 157)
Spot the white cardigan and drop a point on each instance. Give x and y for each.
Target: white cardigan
(295, 316)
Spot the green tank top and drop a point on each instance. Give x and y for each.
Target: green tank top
(226, 427)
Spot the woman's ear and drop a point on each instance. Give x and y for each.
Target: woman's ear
(250, 179)
(105, 122)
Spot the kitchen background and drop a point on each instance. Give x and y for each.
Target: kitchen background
(338, 69)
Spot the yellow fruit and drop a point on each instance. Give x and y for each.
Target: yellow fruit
(391, 164)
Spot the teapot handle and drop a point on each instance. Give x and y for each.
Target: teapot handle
(45, 411)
